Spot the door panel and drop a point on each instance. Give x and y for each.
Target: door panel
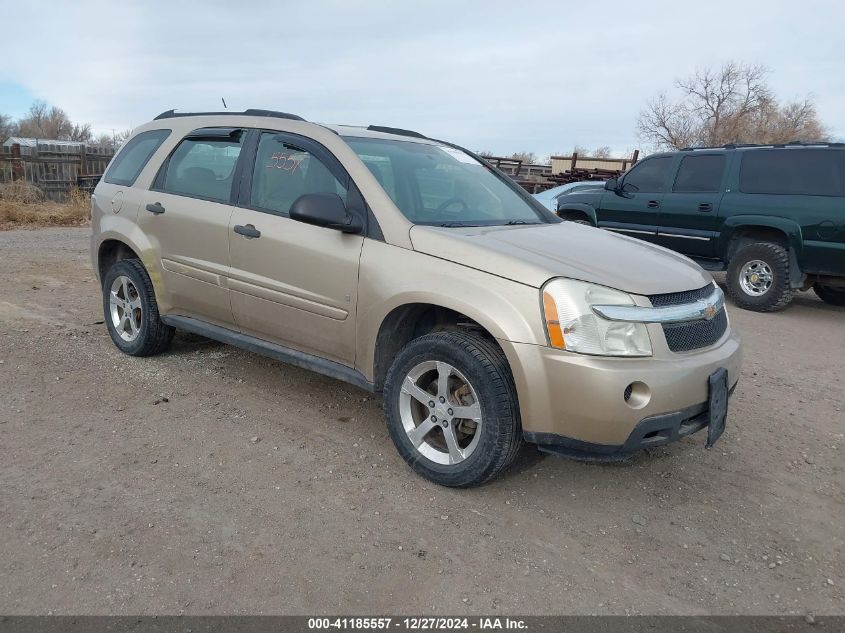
(187, 214)
(689, 214)
(191, 237)
(296, 285)
(634, 209)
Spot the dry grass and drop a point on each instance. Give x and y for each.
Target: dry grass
(24, 205)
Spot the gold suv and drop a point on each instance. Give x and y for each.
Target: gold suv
(411, 267)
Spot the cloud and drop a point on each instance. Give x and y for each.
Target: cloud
(489, 75)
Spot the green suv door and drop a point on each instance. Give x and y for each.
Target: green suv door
(689, 214)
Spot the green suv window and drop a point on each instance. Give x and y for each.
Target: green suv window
(807, 172)
(700, 174)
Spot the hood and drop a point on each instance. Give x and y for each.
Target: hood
(534, 254)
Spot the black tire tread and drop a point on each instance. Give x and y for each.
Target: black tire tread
(157, 336)
(509, 441)
(781, 293)
(830, 295)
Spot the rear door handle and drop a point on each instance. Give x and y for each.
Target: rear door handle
(705, 206)
(653, 204)
(155, 208)
(247, 231)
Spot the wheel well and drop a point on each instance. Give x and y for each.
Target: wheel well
(411, 321)
(745, 235)
(112, 251)
(574, 214)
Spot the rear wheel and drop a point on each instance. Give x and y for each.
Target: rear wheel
(131, 311)
(451, 408)
(758, 277)
(830, 294)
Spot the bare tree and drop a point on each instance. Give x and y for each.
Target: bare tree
(50, 122)
(599, 152)
(115, 139)
(7, 127)
(732, 104)
(529, 158)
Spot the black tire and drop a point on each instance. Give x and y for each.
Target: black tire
(830, 294)
(778, 295)
(154, 336)
(577, 218)
(486, 368)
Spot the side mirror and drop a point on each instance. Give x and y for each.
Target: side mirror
(611, 184)
(325, 209)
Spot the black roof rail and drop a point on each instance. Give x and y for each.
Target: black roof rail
(170, 114)
(395, 130)
(742, 145)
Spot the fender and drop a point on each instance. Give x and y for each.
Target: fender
(126, 231)
(586, 209)
(789, 228)
(390, 278)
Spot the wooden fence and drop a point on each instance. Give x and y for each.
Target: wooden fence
(55, 168)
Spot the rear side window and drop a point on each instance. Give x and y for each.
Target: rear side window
(132, 158)
(650, 175)
(284, 171)
(700, 174)
(203, 168)
(811, 172)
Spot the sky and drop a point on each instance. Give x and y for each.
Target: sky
(497, 76)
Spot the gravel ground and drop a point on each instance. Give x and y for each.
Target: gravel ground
(212, 480)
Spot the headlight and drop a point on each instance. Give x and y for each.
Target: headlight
(572, 325)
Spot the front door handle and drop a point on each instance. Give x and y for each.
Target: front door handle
(705, 206)
(155, 208)
(247, 231)
(653, 204)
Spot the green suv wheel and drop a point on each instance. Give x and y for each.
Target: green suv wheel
(758, 277)
(451, 408)
(830, 294)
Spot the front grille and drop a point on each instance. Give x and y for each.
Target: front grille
(679, 298)
(690, 335)
(683, 337)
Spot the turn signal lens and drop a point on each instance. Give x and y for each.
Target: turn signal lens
(553, 322)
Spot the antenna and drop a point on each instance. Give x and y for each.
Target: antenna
(224, 103)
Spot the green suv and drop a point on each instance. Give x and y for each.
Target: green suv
(773, 216)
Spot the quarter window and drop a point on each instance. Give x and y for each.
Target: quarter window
(700, 174)
(284, 171)
(131, 159)
(649, 176)
(203, 168)
(813, 172)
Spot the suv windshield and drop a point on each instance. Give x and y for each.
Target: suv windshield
(440, 185)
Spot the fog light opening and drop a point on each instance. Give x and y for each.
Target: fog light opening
(637, 395)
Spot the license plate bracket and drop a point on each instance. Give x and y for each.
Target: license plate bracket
(718, 405)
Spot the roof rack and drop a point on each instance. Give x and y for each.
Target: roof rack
(789, 144)
(395, 130)
(170, 114)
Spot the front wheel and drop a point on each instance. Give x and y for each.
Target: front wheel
(830, 294)
(758, 277)
(451, 408)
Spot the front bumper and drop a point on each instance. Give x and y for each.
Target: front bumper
(577, 403)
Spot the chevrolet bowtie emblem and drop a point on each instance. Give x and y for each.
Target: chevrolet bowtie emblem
(709, 312)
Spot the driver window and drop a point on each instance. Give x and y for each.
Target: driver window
(284, 171)
(649, 176)
(446, 187)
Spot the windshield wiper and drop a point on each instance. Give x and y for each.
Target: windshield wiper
(452, 225)
(515, 222)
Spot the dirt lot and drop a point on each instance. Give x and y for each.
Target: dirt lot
(255, 487)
